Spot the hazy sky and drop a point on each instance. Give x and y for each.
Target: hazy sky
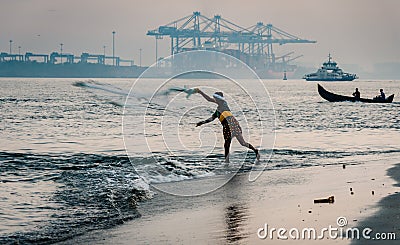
(355, 31)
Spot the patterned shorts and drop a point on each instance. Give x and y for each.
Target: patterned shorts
(231, 128)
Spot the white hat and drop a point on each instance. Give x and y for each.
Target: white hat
(218, 97)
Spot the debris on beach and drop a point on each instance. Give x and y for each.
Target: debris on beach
(330, 199)
(373, 193)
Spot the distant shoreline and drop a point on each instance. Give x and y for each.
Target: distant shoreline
(75, 70)
(94, 70)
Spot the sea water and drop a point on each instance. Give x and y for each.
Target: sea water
(64, 169)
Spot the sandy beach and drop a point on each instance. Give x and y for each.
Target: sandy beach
(387, 219)
(279, 199)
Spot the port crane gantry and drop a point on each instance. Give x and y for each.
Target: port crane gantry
(197, 31)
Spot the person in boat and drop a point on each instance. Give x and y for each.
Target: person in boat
(357, 94)
(382, 96)
(231, 127)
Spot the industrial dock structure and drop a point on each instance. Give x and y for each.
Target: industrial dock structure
(59, 64)
(252, 45)
(56, 57)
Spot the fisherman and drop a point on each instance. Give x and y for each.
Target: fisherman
(382, 96)
(357, 94)
(231, 127)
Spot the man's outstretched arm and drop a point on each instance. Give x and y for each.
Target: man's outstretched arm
(206, 121)
(208, 98)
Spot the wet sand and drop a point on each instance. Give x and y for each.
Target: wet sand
(387, 219)
(280, 199)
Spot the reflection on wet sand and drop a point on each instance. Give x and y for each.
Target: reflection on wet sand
(236, 211)
(236, 216)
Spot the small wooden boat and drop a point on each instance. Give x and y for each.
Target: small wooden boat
(337, 98)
